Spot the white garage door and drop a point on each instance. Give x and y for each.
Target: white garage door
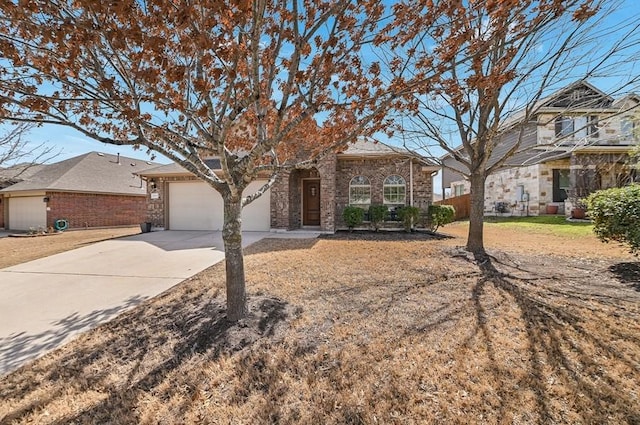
(26, 213)
(197, 206)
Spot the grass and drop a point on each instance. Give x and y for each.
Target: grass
(363, 332)
(552, 224)
(22, 249)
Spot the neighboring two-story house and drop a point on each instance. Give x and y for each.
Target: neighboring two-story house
(578, 141)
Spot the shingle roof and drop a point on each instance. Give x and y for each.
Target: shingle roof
(16, 173)
(367, 147)
(91, 172)
(364, 148)
(177, 169)
(359, 148)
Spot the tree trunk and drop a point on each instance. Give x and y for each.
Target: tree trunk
(475, 240)
(234, 259)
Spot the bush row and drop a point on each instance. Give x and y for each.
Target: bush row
(433, 218)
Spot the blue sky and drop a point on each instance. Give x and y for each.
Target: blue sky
(71, 143)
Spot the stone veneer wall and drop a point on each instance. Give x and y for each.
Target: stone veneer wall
(377, 170)
(502, 186)
(537, 180)
(590, 172)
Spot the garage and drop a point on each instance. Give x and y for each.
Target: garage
(26, 213)
(197, 206)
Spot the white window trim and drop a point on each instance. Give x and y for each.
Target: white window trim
(359, 186)
(386, 185)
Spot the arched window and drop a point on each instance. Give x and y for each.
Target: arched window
(394, 190)
(359, 191)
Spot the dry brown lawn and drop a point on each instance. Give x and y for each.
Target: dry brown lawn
(350, 330)
(22, 249)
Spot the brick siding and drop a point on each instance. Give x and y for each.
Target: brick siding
(377, 170)
(83, 210)
(334, 174)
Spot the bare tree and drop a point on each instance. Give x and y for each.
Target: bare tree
(17, 155)
(253, 83)
(498, 60)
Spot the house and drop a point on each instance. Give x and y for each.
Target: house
(578, 141)
(90, 190)
(364, 173)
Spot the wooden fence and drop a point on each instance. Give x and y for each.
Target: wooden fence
(461, 203)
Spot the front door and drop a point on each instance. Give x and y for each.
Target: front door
(311, 202)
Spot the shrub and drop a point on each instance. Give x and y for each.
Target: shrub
(377, 215)
(353, 216)
(408, 216)
(616, 214)
(439, 215)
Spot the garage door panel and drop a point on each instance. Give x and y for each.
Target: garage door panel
(194, 206)
(257, 215)
(197, 206)
(27, 212)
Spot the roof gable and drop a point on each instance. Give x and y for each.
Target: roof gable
(578, 95)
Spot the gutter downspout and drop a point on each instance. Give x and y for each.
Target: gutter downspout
(411, 181)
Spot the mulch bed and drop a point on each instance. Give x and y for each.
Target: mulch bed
(384, 235)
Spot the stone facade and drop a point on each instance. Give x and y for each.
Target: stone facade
(593, 150)
(509, 185)
(591, 172)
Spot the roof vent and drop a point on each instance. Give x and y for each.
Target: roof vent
(100, 154)
(133, 164)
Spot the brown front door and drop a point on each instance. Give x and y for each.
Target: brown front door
(311, 202)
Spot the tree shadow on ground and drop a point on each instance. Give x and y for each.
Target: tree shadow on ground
(19, 348)
(139, 352)
(271, 245)
(560, 344)
(628, 273)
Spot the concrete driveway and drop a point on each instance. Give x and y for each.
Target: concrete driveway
(44, 303)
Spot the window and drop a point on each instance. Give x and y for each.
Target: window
(359, 191)
(579, 127)
(458, 190)
(564, 126)
(394, 190)
(561, 183)
(628, 128)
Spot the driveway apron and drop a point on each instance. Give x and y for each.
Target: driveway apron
(46, 302)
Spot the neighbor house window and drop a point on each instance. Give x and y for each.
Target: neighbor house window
(458, 190)
(627, 128)
(359, 191)
(394, 190)
(578, 127)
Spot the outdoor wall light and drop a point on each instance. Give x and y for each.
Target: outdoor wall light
(45, 199)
